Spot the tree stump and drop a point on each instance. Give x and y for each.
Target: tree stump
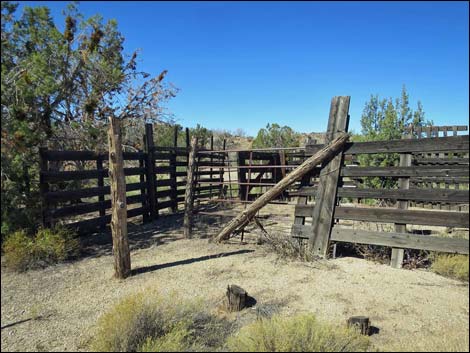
(236, 298)
(361, 322)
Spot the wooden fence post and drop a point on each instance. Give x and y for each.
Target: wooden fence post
(43, 186)
(173, 159)
(143, 191)
(241, 174)
(122, 258)
(247, 214)
(211, 162)
(99, 167)
(189, 195)
(403, 183)
(221, 172)
(325, 198)
(150, 167)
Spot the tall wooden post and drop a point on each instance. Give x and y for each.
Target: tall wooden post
(325, 198)
(43, 186)
(403, 183)
(222, 193)
(211, 162)
(150, 167)
(99, 167)
(189, 195)
(174, 192)
(143, 191)
(122, 257)
(244, 217)
(188, 143)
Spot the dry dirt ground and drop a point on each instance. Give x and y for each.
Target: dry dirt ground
(412, 310)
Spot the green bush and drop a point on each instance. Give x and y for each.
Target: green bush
(48, 246)
(453, 266)
(145, 322)
(301, 333)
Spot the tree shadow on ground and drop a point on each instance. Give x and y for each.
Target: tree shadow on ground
(141, 270)
(165, 229)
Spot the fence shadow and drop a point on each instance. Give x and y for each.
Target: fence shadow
(140, 236)
(141, 270)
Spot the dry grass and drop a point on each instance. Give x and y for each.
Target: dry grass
(407, 306)
(148, 322)
(49, 246)
(302, 333)
(452, 266)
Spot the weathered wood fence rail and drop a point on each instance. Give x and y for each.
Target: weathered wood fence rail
(433, 170)
(155, 181)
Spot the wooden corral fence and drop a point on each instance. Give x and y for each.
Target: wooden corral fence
(443, 160)
(432, 169)
(75, 187)
(324, 196)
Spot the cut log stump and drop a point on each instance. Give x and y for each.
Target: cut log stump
(360, 322)
(236, 298)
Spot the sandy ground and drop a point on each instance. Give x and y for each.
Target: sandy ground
(413, 310)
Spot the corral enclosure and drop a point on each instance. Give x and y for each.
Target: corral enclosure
(429, 186)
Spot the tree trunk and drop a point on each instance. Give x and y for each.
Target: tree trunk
(236, 298)
(122, 258)
(189, 194)
(360, 322)
(244, 217)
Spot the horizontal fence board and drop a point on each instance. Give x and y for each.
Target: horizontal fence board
(429, 171)
(448, 180)
(445, 161)
(435, 144)
(165, 204)
(93, 223)
(401, 240)
(52, 155)
(69, 195)
(164, 170)
(182, 150)
(162, 156)
(165, 182)
(54, 177)
(163, 193)
(428, 195)
(394, 215)
(396, 240)
(88, 207)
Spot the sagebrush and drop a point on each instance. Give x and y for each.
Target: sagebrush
(453, 266)
(48, 246)
(302, 333)
(148, 322)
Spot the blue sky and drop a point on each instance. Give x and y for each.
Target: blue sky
(244, 64)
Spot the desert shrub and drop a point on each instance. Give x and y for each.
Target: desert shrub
(286, 247)
(146, 322)
(301, 333)
(453, 266)
(48, 246)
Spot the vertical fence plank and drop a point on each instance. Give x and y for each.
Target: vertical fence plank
(222, 190)
(189, 194)
(211, 162)
(403, 183)
(325, 199)
(122, 257)
(150, 166)
(143, 191)
(99, 167)
(241, 172)
(174, 192)
(43, 186)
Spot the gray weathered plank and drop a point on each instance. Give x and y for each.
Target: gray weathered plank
(323, 211)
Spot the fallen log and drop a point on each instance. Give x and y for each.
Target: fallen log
(244, 217)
